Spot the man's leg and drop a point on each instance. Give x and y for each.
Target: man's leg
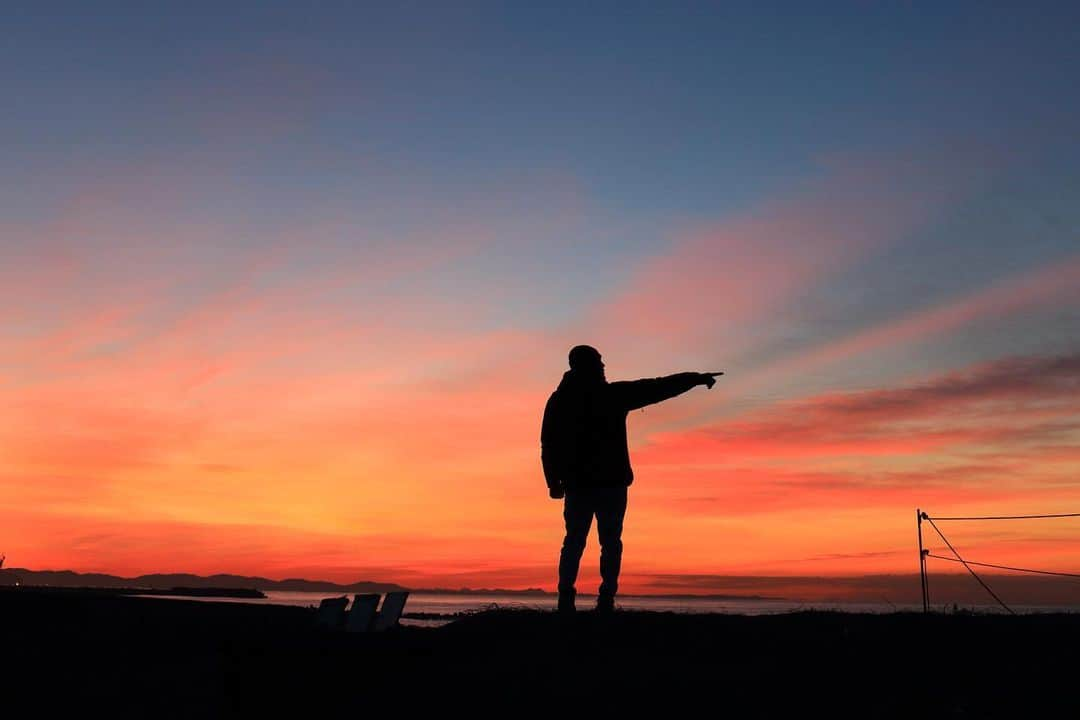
(610, 512)
(577, 512)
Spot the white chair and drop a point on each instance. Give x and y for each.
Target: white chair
(362, 615)
(392, 607)
(331, 613)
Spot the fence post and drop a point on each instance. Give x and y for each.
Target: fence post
(922, 564)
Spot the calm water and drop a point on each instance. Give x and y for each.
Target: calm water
(452, 604)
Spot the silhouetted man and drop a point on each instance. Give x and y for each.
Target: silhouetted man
(586, 460)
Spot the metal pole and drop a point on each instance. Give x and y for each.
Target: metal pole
(922, 564)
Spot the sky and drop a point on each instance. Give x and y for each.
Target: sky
(284, 287)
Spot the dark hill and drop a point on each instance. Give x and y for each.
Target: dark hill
(165, 581)
(125, 655)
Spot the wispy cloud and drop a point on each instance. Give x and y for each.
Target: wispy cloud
(986, 406)
(1057, 282)
(969, 439)
(716, 283)
(319, 390)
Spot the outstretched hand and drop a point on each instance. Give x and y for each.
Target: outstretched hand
(709, 379)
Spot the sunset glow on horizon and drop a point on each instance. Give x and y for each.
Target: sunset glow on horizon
(284, 294)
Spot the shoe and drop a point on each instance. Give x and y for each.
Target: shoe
(605, 604)
(566, 603)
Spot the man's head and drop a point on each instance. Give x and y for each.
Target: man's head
(585, 361)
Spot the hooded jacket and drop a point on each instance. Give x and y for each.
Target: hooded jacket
(583, 441)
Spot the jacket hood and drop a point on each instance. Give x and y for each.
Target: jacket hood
(576, 382)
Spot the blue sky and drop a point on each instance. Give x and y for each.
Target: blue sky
(589, 139)
(316, 213)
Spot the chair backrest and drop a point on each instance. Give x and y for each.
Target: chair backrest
(362, 613)
(392, 607)
(331, 612)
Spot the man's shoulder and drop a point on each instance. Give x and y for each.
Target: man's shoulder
(558, 398)
(574, 397)
(620, 387)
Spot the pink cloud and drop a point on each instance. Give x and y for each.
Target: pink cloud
(338, 381)
(716, 282)
(978, 436)
(1056, 282)
(961, 408)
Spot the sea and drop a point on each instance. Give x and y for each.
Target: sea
(435, 609)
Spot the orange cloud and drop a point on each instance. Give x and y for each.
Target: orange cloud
(979, 407)
(825, 472)
(319, 406)
(975, 437)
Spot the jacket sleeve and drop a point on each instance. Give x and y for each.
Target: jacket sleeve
(556, 438)
(634, 394)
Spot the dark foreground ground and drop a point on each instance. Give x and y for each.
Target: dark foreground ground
(101, 655)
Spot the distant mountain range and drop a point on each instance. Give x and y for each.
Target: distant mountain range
(166, 581)
(898, 589)
(172, 581)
